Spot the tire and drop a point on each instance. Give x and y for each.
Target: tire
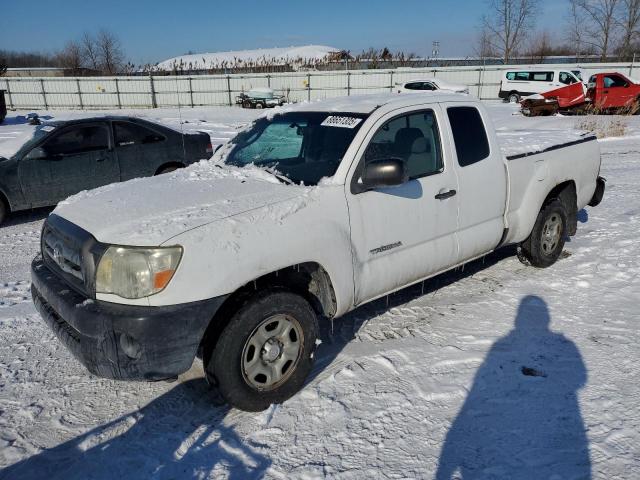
(514, 97)
(246, 104)
(3, 211)
(250, 364)
(259, 105)
(546, 241)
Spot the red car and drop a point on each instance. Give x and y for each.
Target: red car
(604, 92)
(613, 91)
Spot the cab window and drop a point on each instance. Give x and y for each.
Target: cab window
(77, 140)
(413, 138)
(567, 78)
(613, 81)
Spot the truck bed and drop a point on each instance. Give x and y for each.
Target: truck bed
(537, 161)
(527, 142)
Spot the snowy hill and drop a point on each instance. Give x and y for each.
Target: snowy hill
(244, 58)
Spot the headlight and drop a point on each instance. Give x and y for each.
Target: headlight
(132, 272)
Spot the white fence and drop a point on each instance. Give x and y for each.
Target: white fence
(207, 90)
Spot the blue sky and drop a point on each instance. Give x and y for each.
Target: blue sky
(151, 31)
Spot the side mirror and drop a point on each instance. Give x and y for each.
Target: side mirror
(37, 153)
(384, 173)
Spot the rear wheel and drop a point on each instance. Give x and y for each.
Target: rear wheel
(514, 97)
(265, 353)
(246, 104)
(545, 244)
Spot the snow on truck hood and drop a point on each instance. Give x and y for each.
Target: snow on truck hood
(150, 211)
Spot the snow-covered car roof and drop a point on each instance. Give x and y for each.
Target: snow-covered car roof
(438, 81)
(368, 103)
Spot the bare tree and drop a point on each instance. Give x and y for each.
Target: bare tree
(3, 66)
(540, 47)
(629, 22)
(90, 51)
(110, 52)
(598, 20)
(70, 56)
(484, 46)
(508, 24)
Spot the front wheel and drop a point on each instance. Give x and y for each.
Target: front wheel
(3, 211)
(545, 244)
(265, 353)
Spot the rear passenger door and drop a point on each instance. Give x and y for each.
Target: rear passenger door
(405, 233)
(140, 150)
(482, 180)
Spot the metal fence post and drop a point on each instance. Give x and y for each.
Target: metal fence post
(268, 80)
(229, 89)
(190, 93)
(479, 82)
(118, 93)
(308, 87)
(154, 103)
(391, 81)
(44, 94)
(79, 92)
(633, 60)
(9, 96)
(348, 83)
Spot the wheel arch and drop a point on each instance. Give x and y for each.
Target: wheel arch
(565, 192)
(4, 199)
(168, 165)
(310, 280)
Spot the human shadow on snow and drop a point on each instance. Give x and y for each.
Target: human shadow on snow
(521, 418)
(180, 434)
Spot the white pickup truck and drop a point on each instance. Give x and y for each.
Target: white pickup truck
(310, 212)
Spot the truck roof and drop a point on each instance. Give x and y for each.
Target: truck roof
(370, 102)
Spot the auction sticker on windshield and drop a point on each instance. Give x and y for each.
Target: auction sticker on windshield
(343, 122)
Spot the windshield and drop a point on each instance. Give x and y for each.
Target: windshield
(302, 146)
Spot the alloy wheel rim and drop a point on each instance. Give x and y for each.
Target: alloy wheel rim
(551, 234)
(272, 352)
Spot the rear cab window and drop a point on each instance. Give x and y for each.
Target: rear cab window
(469, 135)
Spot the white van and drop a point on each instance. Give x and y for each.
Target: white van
(518, 83)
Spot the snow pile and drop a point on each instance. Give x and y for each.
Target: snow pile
(496, 370)
(246, 58)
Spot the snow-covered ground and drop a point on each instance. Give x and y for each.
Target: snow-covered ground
(496, 371)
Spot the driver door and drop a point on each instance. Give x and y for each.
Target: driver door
(405, 233)
(76, 158)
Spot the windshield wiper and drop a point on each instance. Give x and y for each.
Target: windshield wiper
(278, 175)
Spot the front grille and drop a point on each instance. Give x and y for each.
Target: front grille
(65, 254)
(71, 253)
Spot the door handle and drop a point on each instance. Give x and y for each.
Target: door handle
(102, 159)
(444, 195)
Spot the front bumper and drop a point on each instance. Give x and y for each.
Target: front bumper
(121, 341)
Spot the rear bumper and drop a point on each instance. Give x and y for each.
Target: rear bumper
(121, 341)
(599, 193)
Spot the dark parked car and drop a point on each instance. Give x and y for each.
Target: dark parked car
(64, 158)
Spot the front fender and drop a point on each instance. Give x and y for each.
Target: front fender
(227, 254)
